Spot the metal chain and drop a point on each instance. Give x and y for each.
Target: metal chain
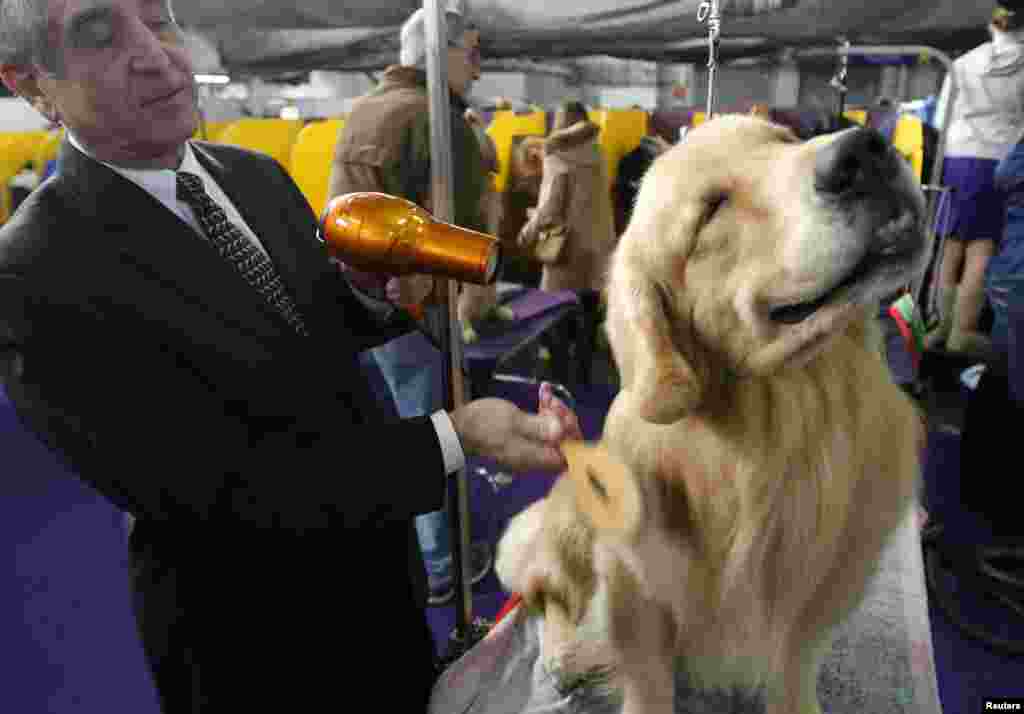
(839, 80)
(710, 13)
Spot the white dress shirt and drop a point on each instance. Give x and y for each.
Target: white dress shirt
(162, 185)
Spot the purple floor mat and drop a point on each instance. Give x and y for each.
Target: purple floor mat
(69, 641)
(68, 631)
(531, 303)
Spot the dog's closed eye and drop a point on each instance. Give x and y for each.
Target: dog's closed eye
(713, 204)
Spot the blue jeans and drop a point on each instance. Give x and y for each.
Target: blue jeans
(1003, 291)
(413, 369)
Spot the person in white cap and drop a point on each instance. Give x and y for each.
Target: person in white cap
(385, 146)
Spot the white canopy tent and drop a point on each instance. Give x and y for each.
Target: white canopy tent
(266, 37)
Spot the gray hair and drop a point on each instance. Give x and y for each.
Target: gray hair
(23, 33)
(23, 25)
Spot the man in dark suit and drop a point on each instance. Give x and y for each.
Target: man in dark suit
(176, 332)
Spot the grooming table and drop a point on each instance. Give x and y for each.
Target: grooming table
(881, 661)
(535, 312)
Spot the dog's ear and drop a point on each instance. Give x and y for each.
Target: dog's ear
(658, 381)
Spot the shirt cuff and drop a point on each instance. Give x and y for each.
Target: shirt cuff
(451, 448)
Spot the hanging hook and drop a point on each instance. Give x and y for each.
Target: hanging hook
(709, 12)
(839, 80)
(702, 11)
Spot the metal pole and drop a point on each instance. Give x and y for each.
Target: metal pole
(443, 208)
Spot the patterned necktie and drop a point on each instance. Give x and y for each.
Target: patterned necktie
(234, 247)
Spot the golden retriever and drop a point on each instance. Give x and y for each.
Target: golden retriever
(758, 455)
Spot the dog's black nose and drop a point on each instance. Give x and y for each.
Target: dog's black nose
(858, 159)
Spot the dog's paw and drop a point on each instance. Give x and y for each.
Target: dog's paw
(517, 560)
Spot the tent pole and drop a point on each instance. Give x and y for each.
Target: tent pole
(443, 208)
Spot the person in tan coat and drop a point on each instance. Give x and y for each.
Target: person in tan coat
(575, 193)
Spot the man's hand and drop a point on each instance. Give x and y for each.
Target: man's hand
(409, 289)
(498, 429)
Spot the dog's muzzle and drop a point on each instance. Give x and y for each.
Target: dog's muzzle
(863, 176)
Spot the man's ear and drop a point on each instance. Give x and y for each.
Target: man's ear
(11, 74)
(23, 81)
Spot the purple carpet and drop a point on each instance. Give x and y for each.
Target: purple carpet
(69, 639)
(966, 670)
(69, 642)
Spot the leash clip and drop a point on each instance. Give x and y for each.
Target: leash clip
(703, 11)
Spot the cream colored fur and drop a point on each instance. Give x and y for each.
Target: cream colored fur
(767, 463)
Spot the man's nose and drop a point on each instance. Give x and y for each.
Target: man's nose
(149, 51)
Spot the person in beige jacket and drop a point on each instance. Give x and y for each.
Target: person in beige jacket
(575, 192)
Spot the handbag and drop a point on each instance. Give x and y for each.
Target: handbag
(550, 243)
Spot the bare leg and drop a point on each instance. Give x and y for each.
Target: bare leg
(950, 265)
(970, 299)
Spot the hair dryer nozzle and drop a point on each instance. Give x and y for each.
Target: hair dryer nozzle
(379, 233)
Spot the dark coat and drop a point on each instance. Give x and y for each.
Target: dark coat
(273, 555)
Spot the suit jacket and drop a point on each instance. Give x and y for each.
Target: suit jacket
(274, 558)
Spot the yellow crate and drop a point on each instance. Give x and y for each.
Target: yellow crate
(621, 132)
(311, 159)
(505, 125)
(273, 137)
(908, 138)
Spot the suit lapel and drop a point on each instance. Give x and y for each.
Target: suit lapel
(147, 234)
